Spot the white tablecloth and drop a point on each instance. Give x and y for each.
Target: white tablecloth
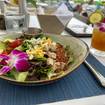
(97, 100)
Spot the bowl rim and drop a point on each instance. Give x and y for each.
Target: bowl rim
(67, 72)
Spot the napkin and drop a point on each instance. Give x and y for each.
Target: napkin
(78, 26)
(97, 100)
(63, 14)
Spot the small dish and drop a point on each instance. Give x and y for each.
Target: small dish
(30, 32)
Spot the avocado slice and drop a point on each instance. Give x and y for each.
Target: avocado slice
(2, 46)
(21, 76)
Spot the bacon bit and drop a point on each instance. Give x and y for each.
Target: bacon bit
(9, 49)
(60, 54)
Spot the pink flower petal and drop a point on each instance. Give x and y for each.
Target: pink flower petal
(5, 57)
(15, 52)
(17, 59)
(4, 70)
(19, 54)
(22, 55)
(103, 20)
(21, 65)
(3, 62)
(102, 29)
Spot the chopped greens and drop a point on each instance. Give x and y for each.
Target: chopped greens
(43, 71)
(36, 58)
(26, 45)
(2, 46)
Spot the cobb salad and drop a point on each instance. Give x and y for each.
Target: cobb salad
(32, 59)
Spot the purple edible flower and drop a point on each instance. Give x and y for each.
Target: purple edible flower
(21, 65)
(4, 70)
(102, 27)
(19, 54)
(3, 57)
(17, 59)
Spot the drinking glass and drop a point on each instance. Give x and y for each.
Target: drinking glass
(14, 20)
(50, 5)
(98, 40)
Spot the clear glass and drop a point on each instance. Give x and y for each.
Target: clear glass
(50, 5)
(98, 40)
(14, 21)
(31, 9)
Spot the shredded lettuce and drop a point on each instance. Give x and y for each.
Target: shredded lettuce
(43, 71)
(26, 45)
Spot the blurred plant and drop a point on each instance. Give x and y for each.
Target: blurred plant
(33, 2)
(99, 2)
(79, 1)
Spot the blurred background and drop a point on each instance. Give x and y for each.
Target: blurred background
(17, 12)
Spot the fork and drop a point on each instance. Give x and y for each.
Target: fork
(96, 73)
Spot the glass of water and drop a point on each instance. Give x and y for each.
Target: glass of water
(14, 21)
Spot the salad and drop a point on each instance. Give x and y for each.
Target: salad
(32, 59)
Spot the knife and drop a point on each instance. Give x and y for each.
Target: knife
(96, 73)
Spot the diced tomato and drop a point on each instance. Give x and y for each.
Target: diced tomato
(9, 49)
(15, 43)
